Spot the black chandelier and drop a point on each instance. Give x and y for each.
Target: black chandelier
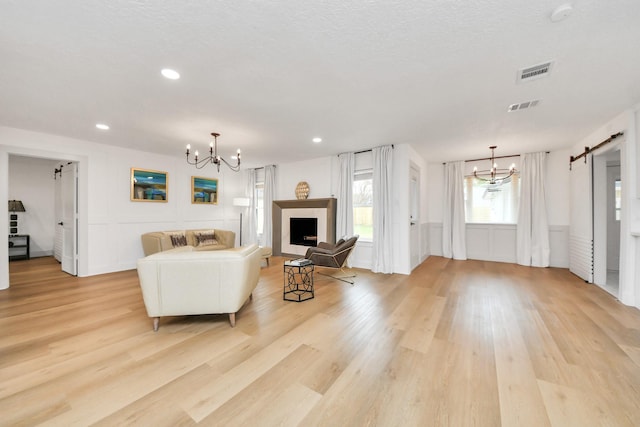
(213, 157)
(494, 175)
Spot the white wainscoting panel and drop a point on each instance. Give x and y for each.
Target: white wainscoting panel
(497, 242)
(362, 255)
(102, 257)
(435, 238)
(424, 244)
(559, 244)
(491, 242)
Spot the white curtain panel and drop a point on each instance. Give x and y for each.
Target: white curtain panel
(532, 236)
(252, 220)
(344, 218)
(382, 210)
(269, 195)
(453, 224)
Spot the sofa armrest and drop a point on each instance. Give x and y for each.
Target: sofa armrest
(156, 241)
(226, 238)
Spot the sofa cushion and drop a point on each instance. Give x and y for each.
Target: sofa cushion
(178, 239)
(205, 239)
(209, 247)
(192, 235)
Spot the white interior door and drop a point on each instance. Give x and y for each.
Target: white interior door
(69, 223)
(414, 228)
(57, 244)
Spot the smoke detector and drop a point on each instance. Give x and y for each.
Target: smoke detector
(561, 13)
(523, 105)
(534, 72)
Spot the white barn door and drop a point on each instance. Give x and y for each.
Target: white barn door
(581, 223)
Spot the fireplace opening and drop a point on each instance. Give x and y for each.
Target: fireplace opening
(303, 231)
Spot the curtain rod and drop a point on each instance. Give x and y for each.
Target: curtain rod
(261, 167)
(370, 149)
(587, 150)
(366, 151)
(489, 158)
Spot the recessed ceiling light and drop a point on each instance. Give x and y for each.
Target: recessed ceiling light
(102, 126)
(317, 140)
(170, 74)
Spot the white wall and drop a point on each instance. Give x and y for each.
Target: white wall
(31, 181)
(318, 173)
(110, 224)
(497, 242)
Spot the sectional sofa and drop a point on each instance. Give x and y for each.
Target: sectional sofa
(199, 239)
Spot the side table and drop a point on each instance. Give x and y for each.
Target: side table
(298, 282)
(19, 247)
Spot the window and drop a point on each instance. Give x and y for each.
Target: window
(363, 204)
(487, 203)
(259, 198)
(618, 196)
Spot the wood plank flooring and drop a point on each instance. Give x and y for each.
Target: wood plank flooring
(456, 343)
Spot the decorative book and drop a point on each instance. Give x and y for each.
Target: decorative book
(300, 262)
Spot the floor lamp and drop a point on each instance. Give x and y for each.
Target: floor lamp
(242, 202)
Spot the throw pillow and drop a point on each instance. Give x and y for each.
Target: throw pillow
(178, 240)
(205, 239)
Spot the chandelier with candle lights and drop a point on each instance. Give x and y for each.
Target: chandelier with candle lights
(494, 176)
(213, 157)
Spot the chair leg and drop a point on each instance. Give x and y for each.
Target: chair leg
(156, 324)
(341, 278)
(232, 319)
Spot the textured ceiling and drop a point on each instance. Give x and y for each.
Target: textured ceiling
(270, 75)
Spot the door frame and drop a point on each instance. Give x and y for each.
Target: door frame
(83, 196)
(414, 216)
(69, 263)
(599, 214)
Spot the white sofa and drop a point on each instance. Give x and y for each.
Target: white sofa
(183, 281)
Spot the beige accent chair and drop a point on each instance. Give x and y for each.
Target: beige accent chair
(182, 281)
(159, 241)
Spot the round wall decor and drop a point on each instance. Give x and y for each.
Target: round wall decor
(302, 190)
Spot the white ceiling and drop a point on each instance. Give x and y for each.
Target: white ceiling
(271, 75)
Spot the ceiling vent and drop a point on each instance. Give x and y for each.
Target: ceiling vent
(533, 73)
(523, 105)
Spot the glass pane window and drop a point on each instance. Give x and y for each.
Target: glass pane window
(259, 197)
(363, 204)
(618, 196)
(491, 203)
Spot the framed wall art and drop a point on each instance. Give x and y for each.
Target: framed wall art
(149, 185)
(204, 190)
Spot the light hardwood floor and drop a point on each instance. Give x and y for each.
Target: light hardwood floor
(456, 343)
